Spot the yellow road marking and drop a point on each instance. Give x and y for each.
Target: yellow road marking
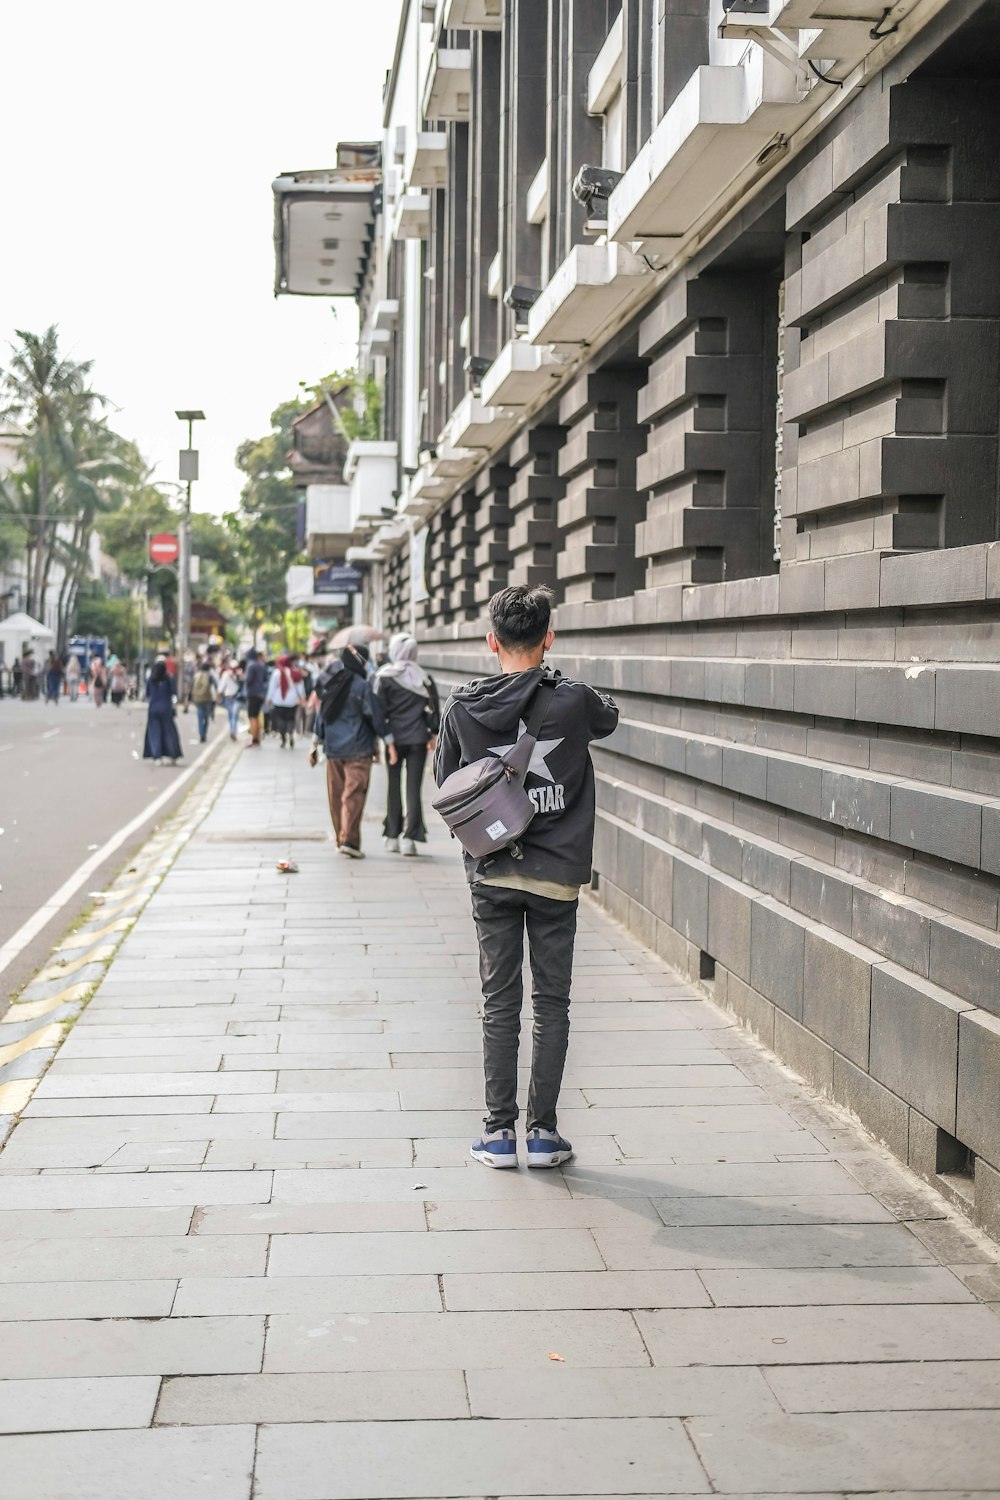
(14, 1096)
(81, 939)
(45, 1036)
(63, 971)
(33, 1009)
(128, 898)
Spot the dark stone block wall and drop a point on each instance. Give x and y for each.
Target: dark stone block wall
(597, 516)
(710, 401)
(534, 494)
(892, 301)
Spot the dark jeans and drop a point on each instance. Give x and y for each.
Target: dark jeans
(204, 712)
(501, 917)
(413, 758)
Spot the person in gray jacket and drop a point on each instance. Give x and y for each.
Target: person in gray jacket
(409, 698)
(537, 888)
(349, 724)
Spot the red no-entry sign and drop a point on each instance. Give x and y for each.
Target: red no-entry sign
(164, 548)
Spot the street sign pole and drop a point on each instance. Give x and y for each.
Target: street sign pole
(184, 582)
(188, 472)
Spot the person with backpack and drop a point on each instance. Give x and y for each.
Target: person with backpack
(284, 694)
(255, 684)
(409, 699)
(533, 882)
(229, 693)
(203, 696)
(349, 724)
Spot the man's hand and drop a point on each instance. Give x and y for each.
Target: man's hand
(314, 755)
(392, 754)
(432, 744)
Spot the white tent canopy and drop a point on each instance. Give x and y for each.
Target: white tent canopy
(21, 627)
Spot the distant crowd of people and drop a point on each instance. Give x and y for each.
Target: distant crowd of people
(66, 675)
(345, 700)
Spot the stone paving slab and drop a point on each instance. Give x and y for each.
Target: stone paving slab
(279, 1398)
(205, 1463)
(135, 1258)
(605, 1340)
(241, 1241)
(235, 1295)
(851, 1449)
(77, 1404)
(122, 1346)
(352, 1461)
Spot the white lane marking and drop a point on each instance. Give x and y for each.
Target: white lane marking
(69, 887)
(6, 747)
(49, 734)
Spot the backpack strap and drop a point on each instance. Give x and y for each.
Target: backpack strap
(519, 758)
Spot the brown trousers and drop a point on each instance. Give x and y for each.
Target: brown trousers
(347, 787)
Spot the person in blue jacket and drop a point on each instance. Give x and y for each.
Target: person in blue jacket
(349, 724)
(162, 739)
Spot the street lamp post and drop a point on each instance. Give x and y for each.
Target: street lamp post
(188, 473)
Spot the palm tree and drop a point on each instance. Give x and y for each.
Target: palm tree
(100, 471)
(43, 395)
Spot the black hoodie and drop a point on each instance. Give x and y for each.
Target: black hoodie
(488, 715)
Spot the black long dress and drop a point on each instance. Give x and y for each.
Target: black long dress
(162, 740)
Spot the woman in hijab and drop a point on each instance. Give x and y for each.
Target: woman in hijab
(349, 723)
(284, 693)
(409, 700)
(162, 739)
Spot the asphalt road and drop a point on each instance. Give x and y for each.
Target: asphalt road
(70, 777)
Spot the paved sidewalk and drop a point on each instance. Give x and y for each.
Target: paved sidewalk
(243, 1252)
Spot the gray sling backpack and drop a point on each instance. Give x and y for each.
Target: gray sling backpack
(484, 803)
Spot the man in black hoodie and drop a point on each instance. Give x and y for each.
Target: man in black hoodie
(540, 889)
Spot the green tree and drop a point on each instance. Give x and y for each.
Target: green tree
(265, 530)
(125, 533)
(117, 619)
(49, 401)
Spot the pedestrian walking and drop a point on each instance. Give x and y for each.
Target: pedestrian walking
(229, 694)
(409, 700)
(255, 682)
(118, 682)
(284, 694)
(72, 677)
(29, 677)
(98, 681)
(535, 886)
(305, 713)
(53, 679)
(203, 696)
(162, 740)
(185, 680)
(17, 677)
(349, 724)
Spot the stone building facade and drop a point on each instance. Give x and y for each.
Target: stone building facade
(742, 416)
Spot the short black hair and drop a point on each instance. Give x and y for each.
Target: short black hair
(520, 616)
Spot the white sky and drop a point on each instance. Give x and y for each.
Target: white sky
(141, 143)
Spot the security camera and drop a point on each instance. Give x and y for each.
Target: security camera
(520, 300)
(592, 183)
(593, 187)
(475, 367)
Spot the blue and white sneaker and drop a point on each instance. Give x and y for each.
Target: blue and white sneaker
(547, 1148)
(495, 1148)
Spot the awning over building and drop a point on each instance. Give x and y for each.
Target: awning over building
(324, 224)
